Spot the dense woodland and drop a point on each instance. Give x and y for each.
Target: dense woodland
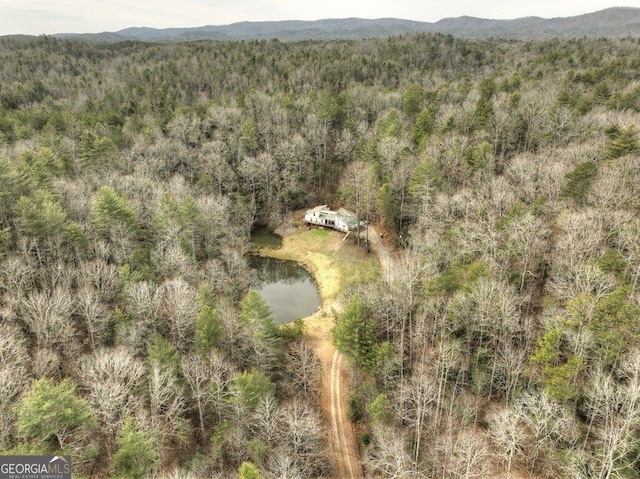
(505, 339)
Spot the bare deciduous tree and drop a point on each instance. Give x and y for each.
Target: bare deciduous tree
(418, 395)
(96, 316)
(13, 348)
(10, 388)
(511, 364)
(142, 301)
(304, 436)
(166, 403)
(57, 275)
(540, 175)
(582, 238)
(178, 308)
(46, 363)
(628, 240)
(113, 377)
(17, 276)
(551, 427)
(230, 274)
(212, 156)
(390, 457)
(266, 421)
(198, 374)
(101, 276)
(172, 262)
(222, 374)
(359, 190)
(489, 313)
(467, 455)
(14, 377)
(507, 434)
(304, 370)
(280, 465)
(614, 411)
(48, 316)
(527, 241)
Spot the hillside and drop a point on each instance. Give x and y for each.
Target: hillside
(613, 22)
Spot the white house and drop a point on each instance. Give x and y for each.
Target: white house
(340, 220)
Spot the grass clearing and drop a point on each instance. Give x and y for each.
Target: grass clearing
(335, 264)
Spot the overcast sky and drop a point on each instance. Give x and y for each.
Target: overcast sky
(35, 17)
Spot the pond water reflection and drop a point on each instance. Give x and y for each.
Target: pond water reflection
(263, 237)
(287, 287)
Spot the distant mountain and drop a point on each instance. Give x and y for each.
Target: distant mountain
(289, 30)
(612, 22)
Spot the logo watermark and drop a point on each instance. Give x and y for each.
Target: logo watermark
(35, 467)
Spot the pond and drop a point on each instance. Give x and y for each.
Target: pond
(263, 237)
(287, 287)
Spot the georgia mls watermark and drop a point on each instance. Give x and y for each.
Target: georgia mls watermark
(35, 467)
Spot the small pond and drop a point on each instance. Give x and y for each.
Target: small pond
(286, 286)
(263, 237)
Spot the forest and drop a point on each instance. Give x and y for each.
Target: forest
(504, 342)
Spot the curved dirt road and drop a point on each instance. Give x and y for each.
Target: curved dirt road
(334, 395)
(335, 387)
(344, 440)
(344, 449)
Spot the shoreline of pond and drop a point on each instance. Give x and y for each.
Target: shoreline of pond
(287, 286)
(311, 263)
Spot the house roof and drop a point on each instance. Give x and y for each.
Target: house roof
(343, 215)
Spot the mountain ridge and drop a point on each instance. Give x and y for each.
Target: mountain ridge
(611, 22)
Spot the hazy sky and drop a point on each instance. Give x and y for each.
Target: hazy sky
(88, 16)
